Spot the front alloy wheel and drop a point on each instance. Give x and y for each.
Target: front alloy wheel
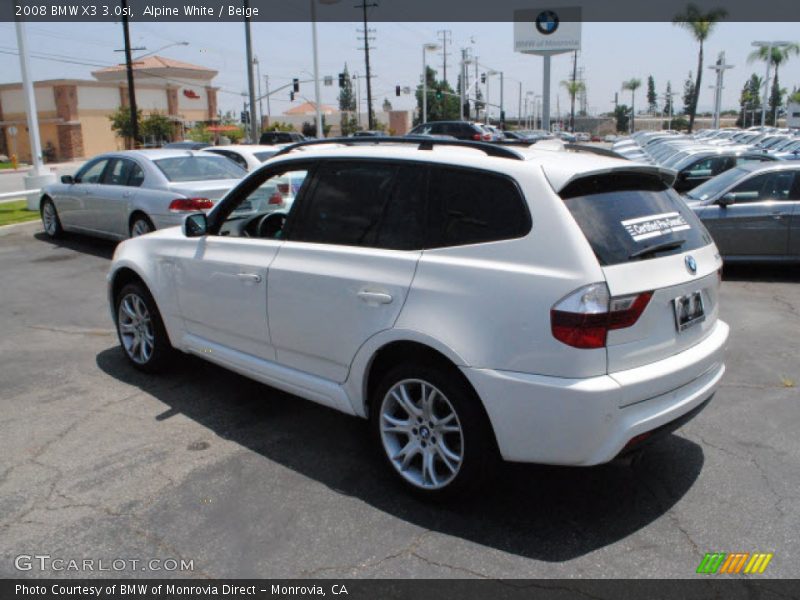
(136, 328)
(141, 331)
(421, 434)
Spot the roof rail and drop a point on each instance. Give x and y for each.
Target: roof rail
(422, 143)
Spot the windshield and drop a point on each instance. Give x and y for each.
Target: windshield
(199, 168)
(715, 185)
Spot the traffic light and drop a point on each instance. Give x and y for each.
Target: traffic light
(397, 90)
(466, 108)
(341, 80)
(296, 84)
(245, 116)
(483, 77)
(291, 96)
(439, 93)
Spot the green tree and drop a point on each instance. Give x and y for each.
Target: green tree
(121, 124)
(632, 85)
(442, 100)
(777, 56)
(621, 113)
(688, 94)
(794, 97)
(347, 105)
(652, 97)
(699, 25)
(749, 101)
(156, 127)
(387, 106)
(200, 133)
(279, 126)
(573, 89)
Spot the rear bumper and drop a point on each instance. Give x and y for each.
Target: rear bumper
(555, 420)
(169, 220)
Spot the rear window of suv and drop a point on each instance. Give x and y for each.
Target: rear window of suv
(630, 216)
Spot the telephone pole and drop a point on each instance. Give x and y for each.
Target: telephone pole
(254, 128)
(445, 37)
(129, 70)
(364, 6)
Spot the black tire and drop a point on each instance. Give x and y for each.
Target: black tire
(140, 225)
(161, 351)
(478, 448)
(50, 220)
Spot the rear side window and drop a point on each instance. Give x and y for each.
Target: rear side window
(629, 216)
(472, 207)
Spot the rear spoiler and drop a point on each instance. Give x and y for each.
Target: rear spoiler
(668, 176)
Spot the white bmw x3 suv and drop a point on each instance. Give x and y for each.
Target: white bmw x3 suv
(472, 301)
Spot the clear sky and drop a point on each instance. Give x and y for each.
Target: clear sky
(612, 52)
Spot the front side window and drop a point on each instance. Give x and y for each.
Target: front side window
(274, 196)
(199, 168)
(118, 172)
(472, 207)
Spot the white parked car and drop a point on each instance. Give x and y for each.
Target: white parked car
(247, 156)
(473, 301)
(126, 194)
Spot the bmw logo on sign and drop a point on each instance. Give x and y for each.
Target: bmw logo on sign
(547, 22)
(691, 264)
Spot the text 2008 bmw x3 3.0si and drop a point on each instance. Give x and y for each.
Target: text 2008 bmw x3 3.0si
(474, 302)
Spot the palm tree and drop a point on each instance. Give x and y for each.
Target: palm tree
(632, 85)
(700, 25)
(776, 55)
(573, 89)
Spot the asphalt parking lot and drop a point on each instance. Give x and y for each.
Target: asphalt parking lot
(102, 462)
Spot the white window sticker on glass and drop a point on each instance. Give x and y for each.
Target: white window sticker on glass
(643, 228)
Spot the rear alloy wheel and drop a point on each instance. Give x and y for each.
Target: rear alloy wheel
(432, 430)
(50, 220)
(140, 226)
(140, 329)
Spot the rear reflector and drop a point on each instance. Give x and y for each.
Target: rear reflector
(190, 204)
(583, 318)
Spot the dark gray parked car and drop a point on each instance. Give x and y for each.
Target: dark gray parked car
(700, 167)
(753, 211)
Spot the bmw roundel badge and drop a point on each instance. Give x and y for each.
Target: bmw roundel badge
(691, 264)
(547, 22)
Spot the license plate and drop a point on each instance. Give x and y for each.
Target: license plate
(689, 310)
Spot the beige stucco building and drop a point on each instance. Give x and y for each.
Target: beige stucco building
(73, 113)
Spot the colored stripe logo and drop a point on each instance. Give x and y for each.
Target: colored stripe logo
(734, 562)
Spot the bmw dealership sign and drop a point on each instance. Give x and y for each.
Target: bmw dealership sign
(547, 30)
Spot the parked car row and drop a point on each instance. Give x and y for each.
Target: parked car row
(699, 157)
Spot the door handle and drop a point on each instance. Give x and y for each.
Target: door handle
(249, 277)
(375, 297)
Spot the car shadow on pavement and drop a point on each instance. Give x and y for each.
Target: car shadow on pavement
(754, 272)
(540, 512)
(80, 243)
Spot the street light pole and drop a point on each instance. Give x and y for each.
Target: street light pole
(250, 82)
(425, 48)
(318, 110)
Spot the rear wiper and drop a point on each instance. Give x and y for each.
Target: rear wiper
(657, 248)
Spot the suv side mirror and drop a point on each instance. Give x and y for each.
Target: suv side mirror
(67, 179)
(727, 199)
(195, 225)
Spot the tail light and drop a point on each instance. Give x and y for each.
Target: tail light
(276, 198)
(190, 204)
(476, 137)
(584, 318)
(283, 188)
(487, 136)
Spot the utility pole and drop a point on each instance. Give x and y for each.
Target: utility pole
(260, 106)
(719, 67)
(519, 106)
(250, 82)
(573, 94)
(266, 84)
(364, 6)
(445, 37)
(463, 79)
(129, 69)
